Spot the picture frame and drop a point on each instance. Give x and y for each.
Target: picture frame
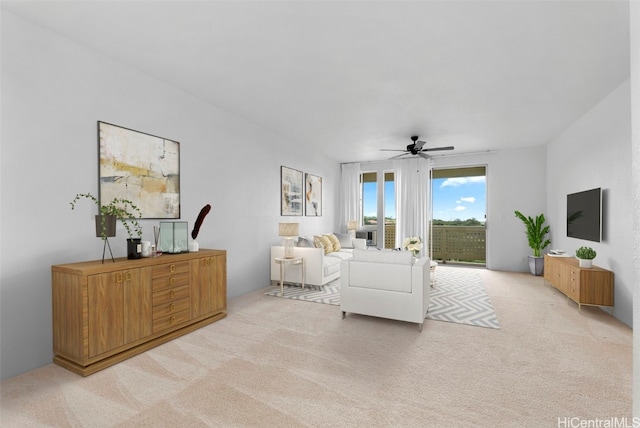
(291, 188)
(140, 167)
(313, 195)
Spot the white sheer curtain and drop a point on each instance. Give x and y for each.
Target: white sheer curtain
(350, 194)
(412, 200)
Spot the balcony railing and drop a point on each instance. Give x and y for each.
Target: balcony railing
(451, 243)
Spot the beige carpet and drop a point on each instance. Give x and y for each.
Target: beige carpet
(287, 363)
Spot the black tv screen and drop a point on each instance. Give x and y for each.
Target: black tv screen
(584, 214)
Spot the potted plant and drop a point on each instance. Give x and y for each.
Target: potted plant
(117, 209)
(536, 233)
(585, 256)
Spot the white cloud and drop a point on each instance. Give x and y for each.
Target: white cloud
(461, 181)
(460, 208)
(469, 199)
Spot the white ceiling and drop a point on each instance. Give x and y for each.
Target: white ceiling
(352, 77)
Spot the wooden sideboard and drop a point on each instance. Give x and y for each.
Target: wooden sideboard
(585, 286)
(106, 313)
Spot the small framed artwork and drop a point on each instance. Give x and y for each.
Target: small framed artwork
(313, 195)
(140, 167)
(291, 188)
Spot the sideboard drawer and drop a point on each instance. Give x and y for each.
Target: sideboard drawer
(173, 280)
(170, 294)
(170, 321)
(170, 308)
(170, 269)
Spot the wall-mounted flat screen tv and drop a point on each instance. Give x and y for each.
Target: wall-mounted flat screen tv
(584, 215)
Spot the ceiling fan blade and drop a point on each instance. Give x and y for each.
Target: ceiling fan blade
(424, 155)
(418, 145)
(435, 149)
(399, 156)
(392, 150)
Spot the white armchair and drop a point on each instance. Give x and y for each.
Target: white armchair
(386, 284)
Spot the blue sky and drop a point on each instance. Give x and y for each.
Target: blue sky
(453, 198)
(459, 198)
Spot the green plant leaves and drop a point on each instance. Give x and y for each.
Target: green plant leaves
(536, 232)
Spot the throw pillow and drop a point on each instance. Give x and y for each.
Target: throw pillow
(334, 241)
(305, 241)
(345, 240)
(323, 242)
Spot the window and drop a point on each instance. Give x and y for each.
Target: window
(379, 202)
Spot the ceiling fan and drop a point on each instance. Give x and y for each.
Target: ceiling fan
(416, 148)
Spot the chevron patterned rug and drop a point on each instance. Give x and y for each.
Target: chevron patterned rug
(328, 294)
(459, 296)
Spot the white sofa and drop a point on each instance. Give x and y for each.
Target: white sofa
(386, 284)
(320, 268)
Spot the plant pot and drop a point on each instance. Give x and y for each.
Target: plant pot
(109, 224)
(536, 265)
(585, 263)
(134, 248)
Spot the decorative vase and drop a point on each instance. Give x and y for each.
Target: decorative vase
(134, 248)
(585, 263)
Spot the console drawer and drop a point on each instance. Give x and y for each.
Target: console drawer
(171, 320)
(170, 269)
(170, 294)
(173, 280)
(170, 308)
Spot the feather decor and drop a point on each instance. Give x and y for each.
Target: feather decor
(203, 213)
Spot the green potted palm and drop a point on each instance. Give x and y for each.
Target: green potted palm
(536, 232)
(117, 209)
(585, 256)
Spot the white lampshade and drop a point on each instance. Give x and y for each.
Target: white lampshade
(352, 225)
(288, 229)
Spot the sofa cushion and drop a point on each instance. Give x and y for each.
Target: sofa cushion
(345, 240)
(334, 241)
(393, 257)
(331, 265)
(342, 255)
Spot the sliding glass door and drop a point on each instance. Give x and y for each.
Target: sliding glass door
(458, 215)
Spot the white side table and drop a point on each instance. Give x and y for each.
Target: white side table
(282, 261)
(432, 267)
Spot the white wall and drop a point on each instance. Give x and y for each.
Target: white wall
(516, 180)
(596, 152)
(53, 93)
(634, 19)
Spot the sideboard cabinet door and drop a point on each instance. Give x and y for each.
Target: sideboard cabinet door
(137, 305)
(208, 285)
(106, 312)
(119, 308)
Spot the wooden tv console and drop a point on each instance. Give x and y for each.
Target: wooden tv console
(106, 313)
(585, 286)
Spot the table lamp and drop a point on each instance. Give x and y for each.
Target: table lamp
(352, 225)
(289, 231)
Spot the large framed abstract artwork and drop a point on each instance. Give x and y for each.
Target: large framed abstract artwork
(291, 188)
(313, 195)
(140, 167)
